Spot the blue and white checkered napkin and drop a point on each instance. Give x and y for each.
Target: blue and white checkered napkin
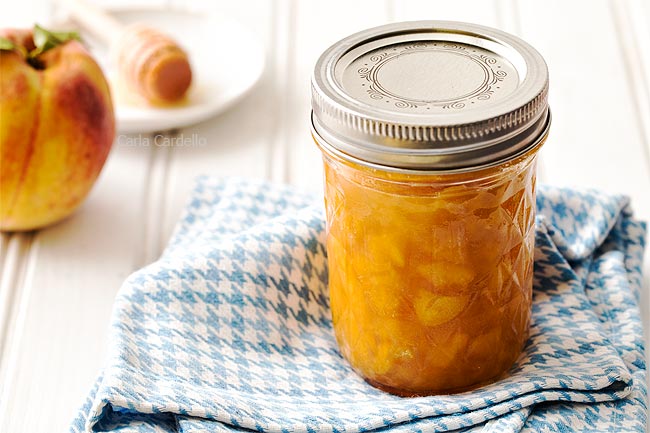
(230, 330)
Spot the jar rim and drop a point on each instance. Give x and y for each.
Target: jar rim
(326, 146)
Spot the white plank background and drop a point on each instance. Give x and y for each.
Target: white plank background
(57, 284)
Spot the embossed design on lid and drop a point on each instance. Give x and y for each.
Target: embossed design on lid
(430, 95)
(416, 76)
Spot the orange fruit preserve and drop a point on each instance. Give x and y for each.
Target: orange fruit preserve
(430, 132)
(430, 277)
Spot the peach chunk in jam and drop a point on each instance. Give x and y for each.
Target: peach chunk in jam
(430, 275)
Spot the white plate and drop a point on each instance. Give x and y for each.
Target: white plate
(226, 58)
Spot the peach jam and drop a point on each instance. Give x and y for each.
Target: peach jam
(430, 132)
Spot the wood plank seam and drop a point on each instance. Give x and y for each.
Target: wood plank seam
(15, 258)
(391, 10)
(509, 19)
(141, 255)
(283, 56)
(637, 85)
(4, 244)
(10, 267)
(153, 201)
(508, 16)
(159, 206)
(19, 267)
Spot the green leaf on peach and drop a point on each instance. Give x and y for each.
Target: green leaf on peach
(46, 40)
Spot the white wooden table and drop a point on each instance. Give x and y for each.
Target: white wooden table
(57, 285)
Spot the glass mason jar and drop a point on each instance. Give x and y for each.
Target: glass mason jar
(429, 132)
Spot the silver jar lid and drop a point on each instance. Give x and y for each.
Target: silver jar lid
(434, 95)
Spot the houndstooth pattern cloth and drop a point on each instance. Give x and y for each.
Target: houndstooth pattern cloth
(230, 330)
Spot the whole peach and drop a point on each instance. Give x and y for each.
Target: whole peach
(56, 129)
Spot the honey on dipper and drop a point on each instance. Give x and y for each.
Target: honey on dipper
(149, 62)
(152, 64)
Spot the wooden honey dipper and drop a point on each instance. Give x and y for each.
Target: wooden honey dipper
(148, 61)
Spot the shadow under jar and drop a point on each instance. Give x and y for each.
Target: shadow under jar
(430, 132)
